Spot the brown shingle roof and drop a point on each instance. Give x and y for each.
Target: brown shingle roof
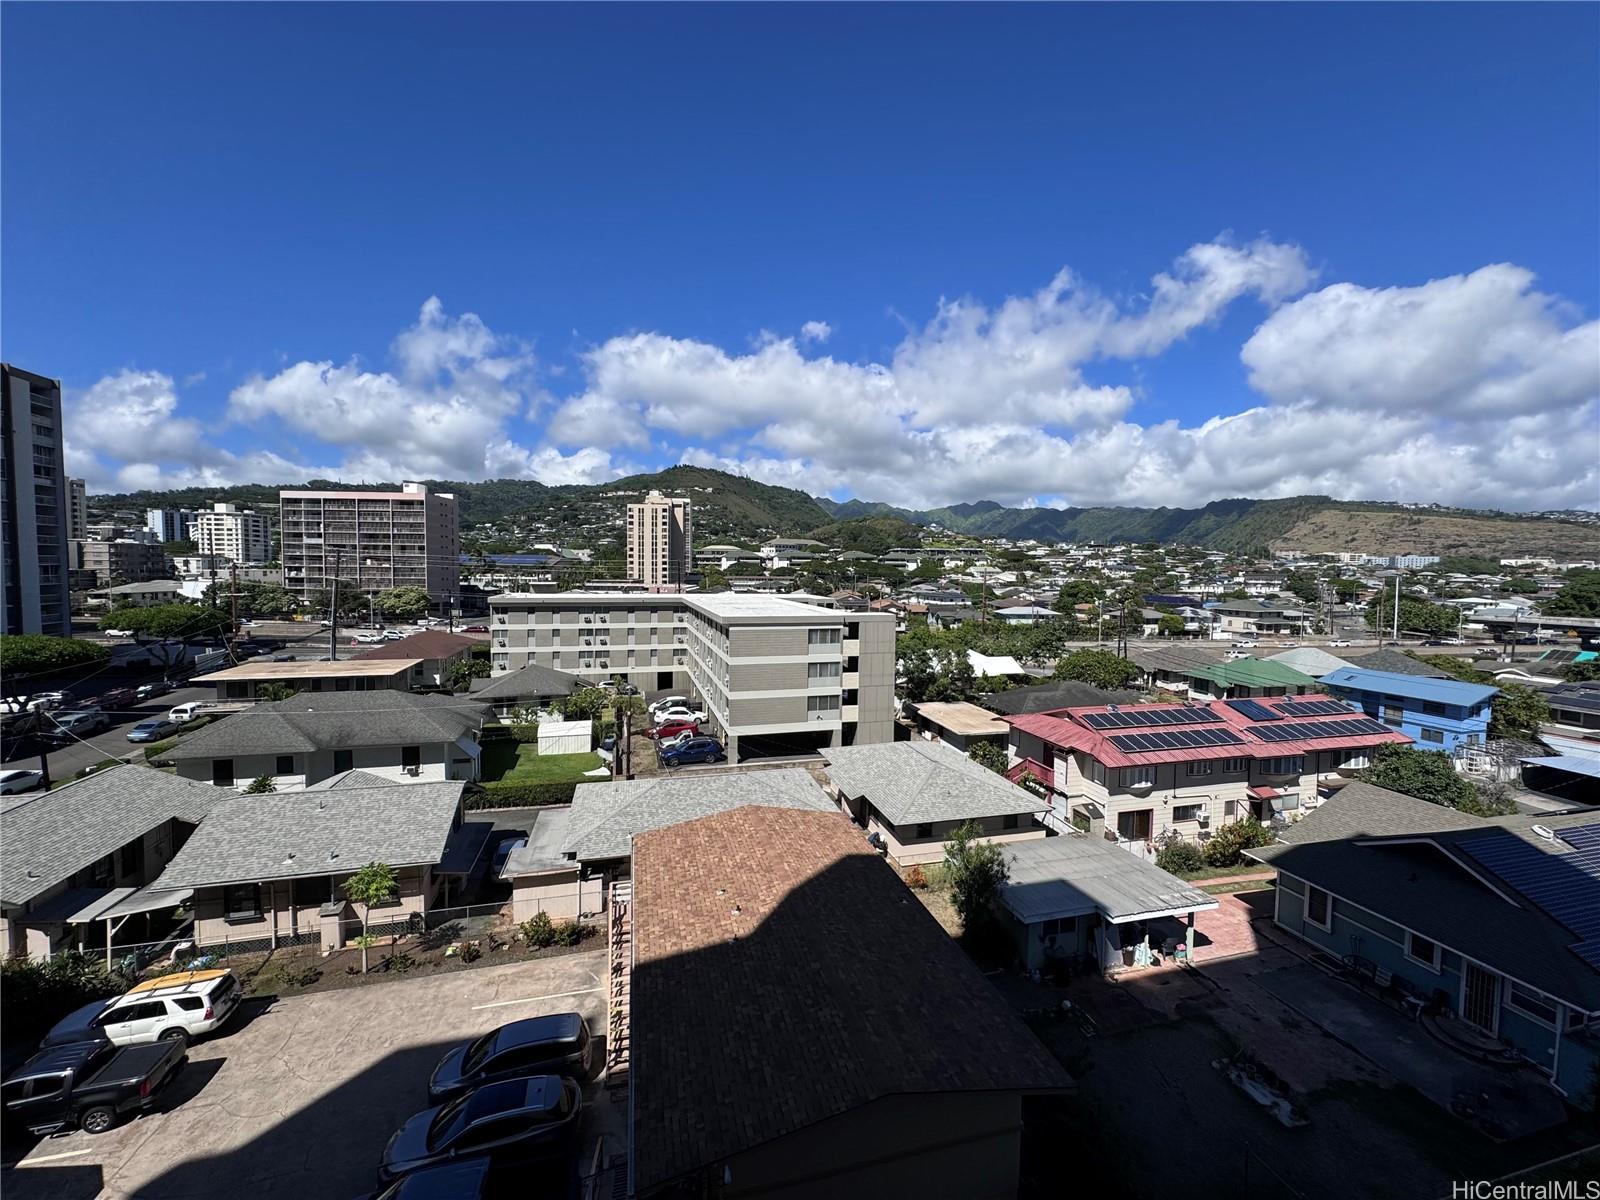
(430, 643)
(783, 975)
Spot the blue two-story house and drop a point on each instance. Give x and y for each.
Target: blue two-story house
(1437, 714)
(1492, 927)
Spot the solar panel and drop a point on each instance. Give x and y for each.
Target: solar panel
(1565, 885)
(1581, 837)
(1174, 739)
(1316, 708)
(1135, 719)
(1254, 709)
(1319, 729)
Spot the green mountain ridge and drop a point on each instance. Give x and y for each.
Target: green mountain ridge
(733, 506)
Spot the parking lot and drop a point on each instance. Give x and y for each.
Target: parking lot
(298, 1096)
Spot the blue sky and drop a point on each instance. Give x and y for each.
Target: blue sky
(823, 245)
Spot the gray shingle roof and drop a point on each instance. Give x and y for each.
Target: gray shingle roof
(605, 816)
(918, 781)
(1434, 889)
(335, 721)
(531, 680)
(283, 835)
(1059, 693)
(1077, 874)
(1388, 659)
(53, 835)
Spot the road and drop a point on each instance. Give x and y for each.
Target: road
(66, 761)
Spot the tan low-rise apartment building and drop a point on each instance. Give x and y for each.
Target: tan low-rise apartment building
(774, 675)
(1139, 773)
(245, 681)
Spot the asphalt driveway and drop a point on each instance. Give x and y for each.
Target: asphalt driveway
(297, 1097)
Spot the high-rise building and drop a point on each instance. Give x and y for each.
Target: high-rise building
(371, 541)
(169, 524)
(77, 509)
(33, 505)
(124, 561)
(659, 540)
(238, 535)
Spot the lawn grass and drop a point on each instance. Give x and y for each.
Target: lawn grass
(1244, 868)
(1229, 886)
(521, 762)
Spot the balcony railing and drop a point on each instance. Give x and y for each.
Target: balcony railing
(1030, 768)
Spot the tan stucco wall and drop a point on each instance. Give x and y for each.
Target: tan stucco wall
(417, 890)
(561, 894)
(907, 850)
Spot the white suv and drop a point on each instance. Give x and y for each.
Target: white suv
(173, 1008)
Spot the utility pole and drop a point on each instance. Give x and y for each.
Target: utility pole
(233, 595)
(333, 612)
(1397, 610)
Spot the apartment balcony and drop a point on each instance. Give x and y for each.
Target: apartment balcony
(850, 680)
(850, 712)
(852, 647)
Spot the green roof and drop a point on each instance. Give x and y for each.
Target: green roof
(1251, 672)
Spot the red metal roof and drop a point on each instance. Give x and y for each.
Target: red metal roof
(1060, 728)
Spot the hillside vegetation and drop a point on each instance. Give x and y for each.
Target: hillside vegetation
(1336, 529)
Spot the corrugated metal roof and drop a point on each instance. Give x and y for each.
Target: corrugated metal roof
(1076, 874)
(1412, 687)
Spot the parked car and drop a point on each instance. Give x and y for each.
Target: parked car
(1288, 645)
(153, 730)
(678, 739)
(668, 716)
(695, 750)
(459, 1179)
(80, 723)
(174, 1008)
(519, 1122)
(1339, 642)
(392, 635)
(149, 691)
(12, 782)
(87, 1085)
(502, 852)
(119, 633)
(1247, 643)
(669, 702)
(115, 698)
(554, 1045)
(184, 713)
(672, 729)
(474, 629)
(43, 701)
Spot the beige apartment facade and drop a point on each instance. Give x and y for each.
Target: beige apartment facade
(371, 541)
(762, 666)
(660, 538)
(235, 534)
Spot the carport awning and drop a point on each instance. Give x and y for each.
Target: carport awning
(73, 906)
(147, 899)
(464, 849)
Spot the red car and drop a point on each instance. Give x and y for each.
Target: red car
(671, 729)
(474, 629)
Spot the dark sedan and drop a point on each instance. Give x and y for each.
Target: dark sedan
(556, 1045)
(519, 1122)
(695, 750)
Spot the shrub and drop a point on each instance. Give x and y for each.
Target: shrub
(35, 995)
(399, 962)
(494, 731)
(261, 785)
(974, 871)
(568, 933)
(539, 930)
(917, 878)
(1180, 856)
(525, 734)
(513, 794)
(1227, 845)
(155, 750)
(471, 952)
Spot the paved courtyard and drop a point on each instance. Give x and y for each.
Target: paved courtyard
(297, 1097)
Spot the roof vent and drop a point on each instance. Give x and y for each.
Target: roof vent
(1545, 832)
(322, 803)
(333, 856)
(1112, 708)
(289, 859)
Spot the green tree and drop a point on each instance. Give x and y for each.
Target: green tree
(25, 654)
(273, 690)
(975, 870)
(403, 603)
(464, 672)
(372, 884)
(165, 627)
(1170, 625)
(1521, 586)
(1416, 616)
(251, 599)
(1346, 590)
(1425, 774)
(261, 785)
(989, 754)
(917, 674)
(1302, 586)
(585, 704)
(953, 676)
(179, 548)
(713, 579)
(1102, 668)
(1456, 668)
(1579, 595)
(1075, 592)
(352, 603)
(1582, 672)
(1517, 712)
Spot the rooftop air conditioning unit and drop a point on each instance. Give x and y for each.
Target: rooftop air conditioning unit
(588, 641)
(588, 620)
(605, 664)
(605, 620)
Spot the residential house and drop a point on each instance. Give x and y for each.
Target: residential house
(1575, 706)
(909, 796)
(1054, 694)
(1078, 898)
(958, 724)
(578, 858)
(1396, 662)
(1025, 614)
(267, 870)
(435, 653)
(1438, 714)
(1197, 674)
(313, 736)
(1308, 660)
(532, 686)
(86, 852)
(245, 681)
(139, 595)
(763, 941)
(1497, 922)
(1138, 774)
(1256, 618)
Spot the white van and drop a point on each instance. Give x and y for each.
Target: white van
(186, 712)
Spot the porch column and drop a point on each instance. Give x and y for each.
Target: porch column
(1188, 939)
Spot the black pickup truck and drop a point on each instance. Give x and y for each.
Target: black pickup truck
(88, 1085)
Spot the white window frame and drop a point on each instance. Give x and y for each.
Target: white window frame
(1199, 767)
(1137, 777)
(1438, 951)
(1289, 764)
(1235, 766)
(1510, 1000)
(1199, 810)
(1096, 771)
(1326, 925)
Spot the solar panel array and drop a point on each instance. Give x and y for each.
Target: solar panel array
(1174, 739)
(1254, 709)
(1316, 708)
(1566, 885)
(1132, 719)
(1319, 729)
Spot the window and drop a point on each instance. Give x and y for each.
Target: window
(1292, 765)
(823, 637)
(925, 830)
(1187, 812)
(1531, 1003)
(1230, 808)
(1393, 715)
(1319, 909)
(1356, 758)
(189, 1003)
(343, 760)
(1138, 776)
(1433, 708)
(1235, 766)
(823, 670)
(242, 902)
(411, 757)
(1096, 770)
(1009, 821)
(222, 772)
(1057, 925)
(311, 890)
(821, 706)
(284, 765)
(1433, 735)
(1420, 949)
(133, 857)
(1202, 767)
